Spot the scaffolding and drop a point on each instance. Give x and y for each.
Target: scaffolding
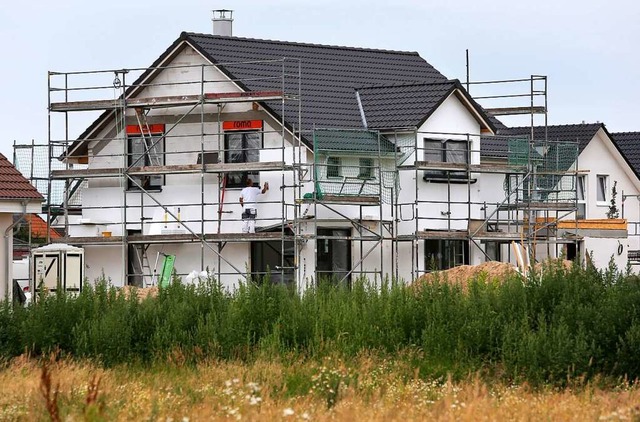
(350, 202)
(154, 122)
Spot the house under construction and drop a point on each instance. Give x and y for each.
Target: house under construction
(378, 166)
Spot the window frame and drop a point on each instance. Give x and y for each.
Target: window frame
(245, 135)
(445, 153)
(605, 193)
(581, 190)
(446, 255)
(334, 163)
(365, 168)
(151, 182)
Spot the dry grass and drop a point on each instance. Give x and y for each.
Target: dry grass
(371, 389)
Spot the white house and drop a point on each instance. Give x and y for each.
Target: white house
(17, 196)
(374, 159)
(601, 163)
(629, 202)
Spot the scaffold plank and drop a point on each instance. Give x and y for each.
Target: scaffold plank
(167, 101)
(442, 234)
(474, 168)
(540, 206)
(173, 238)
(169, 169)
(345, 199)
(510, 111)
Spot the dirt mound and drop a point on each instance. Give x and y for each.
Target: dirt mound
(463, 274)
(142, 293)
(492, 270)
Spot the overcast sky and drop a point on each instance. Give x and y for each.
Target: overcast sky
(588, 49)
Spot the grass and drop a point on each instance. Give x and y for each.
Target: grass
(367, 387)
(551, 329)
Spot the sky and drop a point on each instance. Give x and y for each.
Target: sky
(588, 49)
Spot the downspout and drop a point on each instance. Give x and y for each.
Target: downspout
(9, 231)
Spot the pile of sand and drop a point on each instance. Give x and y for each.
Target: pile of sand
(490, 270)
(142, 293)
(461, 275)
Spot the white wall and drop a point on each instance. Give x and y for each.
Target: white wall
(451, 120)
(6, 261)
(600, 157)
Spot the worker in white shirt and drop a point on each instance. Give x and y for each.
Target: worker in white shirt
(248, 198)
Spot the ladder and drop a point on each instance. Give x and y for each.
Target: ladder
(151, 153)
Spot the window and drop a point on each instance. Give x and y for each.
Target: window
(442, 254)
(445, 151)
(242, 147)
(366, 168)
(581, 191)
(602, 185)
(492, 249)
(145, 150)
(334, 167)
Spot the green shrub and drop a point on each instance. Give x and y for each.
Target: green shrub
(550, 327)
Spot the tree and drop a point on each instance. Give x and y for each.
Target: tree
(613, 208)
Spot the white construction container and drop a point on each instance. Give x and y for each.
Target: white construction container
(57, 266)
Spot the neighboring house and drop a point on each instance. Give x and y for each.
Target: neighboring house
(601, 163)
(17, 196)
(629, 145)
(373, 158)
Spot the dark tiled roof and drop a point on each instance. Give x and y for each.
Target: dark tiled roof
(359, 141)
(329, 73)
(629, 145)
(402, 105)
(582, 133)
(13, 185)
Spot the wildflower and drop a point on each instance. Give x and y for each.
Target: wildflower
(288, 412)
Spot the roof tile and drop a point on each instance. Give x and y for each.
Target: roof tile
(13, 185)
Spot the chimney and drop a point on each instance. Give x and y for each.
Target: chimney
(222, 22)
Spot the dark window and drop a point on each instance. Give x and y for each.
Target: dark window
(334, 167)
(446, 151)
(366, 168)
(267, 258)
(492, 249)
(602, 188)
(581, 197)
(146, 150)
(442, 254)
(242, 147)
(333, 258)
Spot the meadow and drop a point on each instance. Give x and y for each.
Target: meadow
(565, 340)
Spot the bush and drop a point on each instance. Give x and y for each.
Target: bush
(550, 327)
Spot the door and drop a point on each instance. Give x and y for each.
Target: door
(267, 258)
(333, 257)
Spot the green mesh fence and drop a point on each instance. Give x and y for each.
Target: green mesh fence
(32, 160)
(551, 166)
(354, 163)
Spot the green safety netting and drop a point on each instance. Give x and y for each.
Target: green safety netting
(352, 163)
(551, 166)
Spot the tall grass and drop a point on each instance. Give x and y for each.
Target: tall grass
(552, 327)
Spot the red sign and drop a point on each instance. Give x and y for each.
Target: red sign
(151, 129)
(242, 125)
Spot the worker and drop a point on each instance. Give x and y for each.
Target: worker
(248, 198)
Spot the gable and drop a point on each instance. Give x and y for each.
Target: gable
(601, 156)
